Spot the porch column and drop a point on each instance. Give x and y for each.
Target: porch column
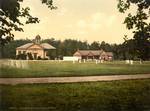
(43, 54)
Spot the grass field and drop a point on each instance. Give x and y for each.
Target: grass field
(54, 68)
(130, 95)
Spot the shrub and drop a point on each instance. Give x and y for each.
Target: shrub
(39, 58)
(21, 56)
(30, 56)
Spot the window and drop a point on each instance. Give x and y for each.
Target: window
(24, 52)
(19, 52)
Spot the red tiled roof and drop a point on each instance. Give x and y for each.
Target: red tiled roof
(92, 53)
(87, 52)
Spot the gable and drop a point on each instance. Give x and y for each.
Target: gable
(103, 53)
(90, 54)
(77, 54)
(25, 46)
(35, 46)
(47, 46)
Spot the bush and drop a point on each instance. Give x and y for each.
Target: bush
(21, 56)
(45, 59)
(30, 56)
(39, 58)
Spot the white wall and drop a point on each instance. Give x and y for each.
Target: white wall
(70, 58)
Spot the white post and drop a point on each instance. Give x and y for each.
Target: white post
(140, 61)
(96, 61)
(131, 62)
(73, 62)
(127, 61)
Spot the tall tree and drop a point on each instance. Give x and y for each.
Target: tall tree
(10, 49)
(95, 45)
(10, 13)
(105, 46)
(139, 22)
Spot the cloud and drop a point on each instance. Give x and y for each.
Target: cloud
(111, 20)
(97, 21)
(82, 32)
(69, 26)
(93, 22)
(62, 11)
(101, 20)
(82, 24)
(98, 17)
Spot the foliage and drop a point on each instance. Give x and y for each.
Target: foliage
(140, 23)
(11, 11)
(30, 57)
(68, 47)
(130, 95)
(21, 56)
(9, 51)
(39, 58)
(65, 48)
(105, 46)
(95, 45)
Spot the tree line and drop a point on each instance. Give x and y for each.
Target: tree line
(137, 47)
(68, 47)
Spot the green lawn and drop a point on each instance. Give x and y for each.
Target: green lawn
(130, 95)
(54, 68)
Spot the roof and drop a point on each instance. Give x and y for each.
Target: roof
(109, 53)
(87, 52)
(43, 45)
(92, 52)
(47, 46)
(25, 46)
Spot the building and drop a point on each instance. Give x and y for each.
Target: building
(34, 50)
(94, 54)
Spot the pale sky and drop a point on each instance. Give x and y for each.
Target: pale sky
(91, 20)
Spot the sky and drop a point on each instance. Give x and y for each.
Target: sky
(91, 20)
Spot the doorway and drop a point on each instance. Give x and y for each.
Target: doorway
(35, 55)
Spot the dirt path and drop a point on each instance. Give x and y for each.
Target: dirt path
(71, 79)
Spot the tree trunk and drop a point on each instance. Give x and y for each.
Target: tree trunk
(2, 51)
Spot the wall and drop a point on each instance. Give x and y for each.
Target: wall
(70, 58)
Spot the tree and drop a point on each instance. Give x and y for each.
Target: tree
(129, 49)
(10, 49)
(95, 46)
(105, 46)
(116, 51)
(10, 14)
(139, 23)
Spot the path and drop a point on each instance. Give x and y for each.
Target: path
(71, 79)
